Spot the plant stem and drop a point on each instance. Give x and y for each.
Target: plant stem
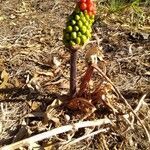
(85, 81)
(73, 72)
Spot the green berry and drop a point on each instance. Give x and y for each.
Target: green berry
(81, 14)
(85, 12)
(79, 34)
(88, 34)
(92, 17)
(71, 17)
(73, 22)
(78, 40)
(83, 39)
(83, 19)
(72, 43)
(83, 29)
(69, 28)
(67, 36)
(80, 24)
(76, 28)
(86, 16)
(86, 24)
(77, 17)
(77, 10)
(89, 29)
(73, 35)
(92, 20)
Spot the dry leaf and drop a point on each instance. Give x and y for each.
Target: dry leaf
(34, 83)
(64, 84)
(48, 145)
(34, 146)
(147, 73)
(2, 18)
(93, 55)
(81, 104)
(67, 117)
(17, 83)
(45, 73)
(100, 93)
(4, 78)
(35, 106)
(56, 62)
(22, 134)
(85, 81)
(55, 103)
(51, 114)
(1, 127)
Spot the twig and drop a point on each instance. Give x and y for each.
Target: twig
(86, 136)
(49, 134)
(135, 110)
(140, 103)
(123, 99)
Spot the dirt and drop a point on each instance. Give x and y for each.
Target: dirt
(36, 64)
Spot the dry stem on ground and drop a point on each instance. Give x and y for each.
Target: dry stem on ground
(34, 69)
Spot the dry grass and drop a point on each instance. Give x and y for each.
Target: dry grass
(33, 55)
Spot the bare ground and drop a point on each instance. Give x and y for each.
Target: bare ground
(34, 66)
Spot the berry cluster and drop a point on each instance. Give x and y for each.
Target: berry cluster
(78, 27)
(88, 5)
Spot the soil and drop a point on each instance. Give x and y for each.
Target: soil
(35, 65)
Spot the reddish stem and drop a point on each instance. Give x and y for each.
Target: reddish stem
(73, 73)
(85, 80)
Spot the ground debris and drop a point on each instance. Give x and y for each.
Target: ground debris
(34, 80)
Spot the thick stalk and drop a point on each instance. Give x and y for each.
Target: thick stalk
(73, 73)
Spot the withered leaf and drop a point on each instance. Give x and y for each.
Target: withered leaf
(81, 104)
(4, 78)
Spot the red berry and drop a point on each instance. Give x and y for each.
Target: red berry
(94, 8)
(83, 6)
(94, 12)
(90, 13)
(82, 1)
(94, 5)
(89, 8)
(89, 1)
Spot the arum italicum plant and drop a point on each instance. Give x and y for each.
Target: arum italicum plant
(77, 32)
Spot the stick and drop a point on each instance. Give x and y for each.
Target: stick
(73, 72)
(123, 99)
(86, 136)
(49, 134)
(140, 103)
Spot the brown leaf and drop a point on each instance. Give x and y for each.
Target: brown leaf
(94, 54)
(33, 83)
(101, 91)
(85, 81)
(48, 145)
(51, 114)
(16, 82)
(22, 133)
(81, 104)
(5, 78)
(56, 62)
(35, 106)
(45, 73)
